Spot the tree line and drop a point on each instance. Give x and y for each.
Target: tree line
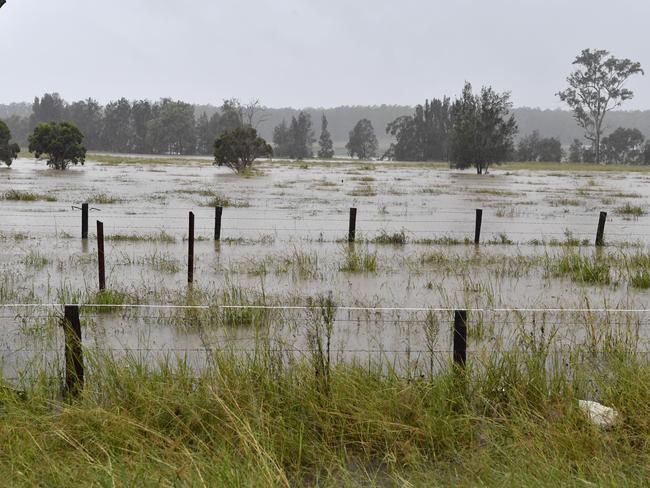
(475, 129)
(140, 126)
(555, 123)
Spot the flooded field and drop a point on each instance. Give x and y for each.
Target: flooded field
(283, 262)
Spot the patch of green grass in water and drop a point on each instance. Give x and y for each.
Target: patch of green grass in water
(640, 279)
(161, 236)
(631, 210)
(593, 270)
(359, 262)
(363, 191)
(396, 238)
(103, 199)
(27, 196)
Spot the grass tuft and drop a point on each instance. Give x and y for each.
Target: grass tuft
(593, 270)
(103, 199)
(27, 196)
(364, 190)
(359, 262)
(630, 210)
(396, 238)
(161, 236)
(640, 279)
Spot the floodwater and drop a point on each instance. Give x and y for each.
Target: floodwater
(283, 241)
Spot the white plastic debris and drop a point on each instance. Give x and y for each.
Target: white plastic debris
(599, 414)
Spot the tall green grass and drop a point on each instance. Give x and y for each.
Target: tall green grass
(359, 261)
(262, 421)
(594, 270)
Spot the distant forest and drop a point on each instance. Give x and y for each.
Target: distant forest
(549, 123)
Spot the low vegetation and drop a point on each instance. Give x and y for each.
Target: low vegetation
(359, 261)
(27, 196)
(594, 270)
(396, 238)
(161, 236)
(260, 421)
(631, 210)
(364, 190)
(103, 199)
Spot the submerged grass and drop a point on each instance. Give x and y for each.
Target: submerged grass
(359, 261)
(117, 159)
(496, 192)
(103, 199)
(245, 311)
(27, 196)
(640, 279)
(595, 270)
(364, 190)
(161, 236)
(583, 167)
(631, 210)
(109, 299)
(445, 240)
(35, 259)
(396, 238)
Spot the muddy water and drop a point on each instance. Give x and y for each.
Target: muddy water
(288, 214)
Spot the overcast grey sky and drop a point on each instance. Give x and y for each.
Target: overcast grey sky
(310, 53)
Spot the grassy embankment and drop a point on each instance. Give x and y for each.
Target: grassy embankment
(114, 159)
(511, 420)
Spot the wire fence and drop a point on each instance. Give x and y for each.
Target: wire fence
(405, 339)
(433, 226)
(237, 222)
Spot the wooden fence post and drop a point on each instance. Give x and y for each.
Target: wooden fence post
(190, 250)
(84, 221)
(353, 225)
(217, 223)
(100, 255)
(477, 227)
(460, 338)
(601, 229)
(74, 363)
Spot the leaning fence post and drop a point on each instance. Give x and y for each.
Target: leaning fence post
(100, 255)
(74, 363)
(460, 338)
(190, 251)
(84, 221)
(217, 223)
(601, 229)
(353, 224)
(477, 228)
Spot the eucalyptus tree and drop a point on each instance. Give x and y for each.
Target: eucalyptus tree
(49, 108)
(596, 87)
(423, 136)
(118, 134)
(8, 150)
(239, 148)
(173, 131)
(482, 129)
(362, 140)
(326, 147)
(536, 148)
(87, 115)
(294, 140)
(623, 146)
(60, 142)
